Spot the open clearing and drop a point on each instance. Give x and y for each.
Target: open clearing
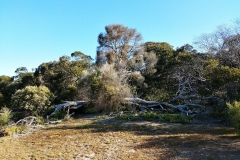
(86, 138)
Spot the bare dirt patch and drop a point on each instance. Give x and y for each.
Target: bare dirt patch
(86, 138)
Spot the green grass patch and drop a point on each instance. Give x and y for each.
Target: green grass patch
(176, 118)
(131, 117)
(100, 117)
(152, 116)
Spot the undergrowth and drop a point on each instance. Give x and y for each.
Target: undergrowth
(100, 117)
(234, 115)
(10, 130)
(163, 117)
(5, 116)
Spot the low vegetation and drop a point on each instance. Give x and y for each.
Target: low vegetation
(234, 115)
(156, 116)
(5, 116)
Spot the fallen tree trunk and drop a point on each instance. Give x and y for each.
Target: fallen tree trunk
(69, 105)
(145, 105)
(142, 104)
(27, 121)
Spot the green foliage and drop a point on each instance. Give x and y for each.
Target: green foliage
(234, 114)
(89, 110)
(219, 111)
(6, 89)
(100, 117)
(40, 120)
(38, 100)
(224, 80)
(150, 115)
(5, 116)
(24, 78)
(21, 70)
(62, 76)
(95, 84)
(155, 94)
(159, 84)
(1, 100)
(69, 93)
(176, 118)
(221, 75)
(58, 116)
(131, 117)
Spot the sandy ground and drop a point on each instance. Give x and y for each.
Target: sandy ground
(107, 139)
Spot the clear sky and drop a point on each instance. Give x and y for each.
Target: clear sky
(37, 31)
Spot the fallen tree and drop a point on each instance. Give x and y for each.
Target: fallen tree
(153, 105)
(27, 121)
(66, 105)
(141, 104)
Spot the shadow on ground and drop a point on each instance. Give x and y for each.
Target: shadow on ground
(176, 141)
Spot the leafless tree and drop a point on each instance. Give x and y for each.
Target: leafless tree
(224, 44)
(189, 78)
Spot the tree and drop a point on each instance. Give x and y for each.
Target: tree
(159, 84)
(178, 73)
(21, 70)
(222, 81)
(6, 89)
(122, 47)
(223, 44)
(107, 90)
(38, 100)
(222, 69)
(62, 74)
(189, 77)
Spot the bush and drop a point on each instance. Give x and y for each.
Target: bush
(108, 90)
(58, 116)
(70, 93)
(100, 117)
(5, 116)
(38, 100)
(89, 110)
(8, 131)
(234, 114)
(219, 111)
(40, 120)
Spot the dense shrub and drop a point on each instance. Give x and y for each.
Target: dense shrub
(5, 116)
(38, 100)
(108, 90)
(234, 114)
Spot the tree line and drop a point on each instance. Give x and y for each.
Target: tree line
(127, 67)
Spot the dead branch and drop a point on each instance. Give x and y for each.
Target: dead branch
(145, 105)
(67, 104)
(27, 121)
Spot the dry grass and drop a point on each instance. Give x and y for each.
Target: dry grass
(114, 139)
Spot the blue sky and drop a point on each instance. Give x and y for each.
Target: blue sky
(37, 31)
